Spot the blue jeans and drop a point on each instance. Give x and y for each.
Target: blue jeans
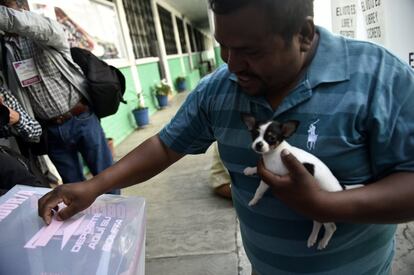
(81, 134)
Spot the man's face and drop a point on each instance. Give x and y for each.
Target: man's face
(261, 59)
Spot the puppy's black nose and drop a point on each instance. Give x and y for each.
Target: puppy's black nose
(259, 146)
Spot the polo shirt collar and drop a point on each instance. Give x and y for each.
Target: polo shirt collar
(331, 62)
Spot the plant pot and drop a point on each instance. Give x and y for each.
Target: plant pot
(141, 117)
(181, 86)
(162, 100)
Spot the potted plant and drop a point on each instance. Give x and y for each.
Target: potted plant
(141, 112)
(162, 91)
(180, 84)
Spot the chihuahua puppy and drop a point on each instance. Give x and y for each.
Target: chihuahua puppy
(269, 140)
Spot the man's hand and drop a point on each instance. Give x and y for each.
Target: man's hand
(298, 189)
(76, 196)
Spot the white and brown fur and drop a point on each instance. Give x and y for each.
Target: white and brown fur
(269, 140)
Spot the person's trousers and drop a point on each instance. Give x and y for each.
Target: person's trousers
(218, 173)
(82, 135)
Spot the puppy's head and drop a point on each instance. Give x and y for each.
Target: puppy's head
(268, 135)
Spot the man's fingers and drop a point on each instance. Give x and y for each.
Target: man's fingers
(271, 179)
(67, 212)
(46, 205)
(295, 167)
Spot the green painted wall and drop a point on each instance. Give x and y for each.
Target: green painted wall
(196, 57)
(217, 54)
(193, 79)
(193, 75)
(174, 65)
(121, 124)
(187, 63)
(149, 76)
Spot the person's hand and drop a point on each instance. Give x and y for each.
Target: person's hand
(14, 117)
(76, 196)
(298, 189)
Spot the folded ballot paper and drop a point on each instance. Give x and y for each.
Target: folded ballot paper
(106, 238)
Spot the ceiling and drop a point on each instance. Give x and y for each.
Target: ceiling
(194, 10)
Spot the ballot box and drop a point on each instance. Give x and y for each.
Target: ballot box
(106, 238)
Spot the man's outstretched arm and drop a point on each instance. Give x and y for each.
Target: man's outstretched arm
(144, 162)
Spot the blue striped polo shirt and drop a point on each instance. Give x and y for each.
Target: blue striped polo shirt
(355, 107)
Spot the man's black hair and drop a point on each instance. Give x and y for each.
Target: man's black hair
(19, 3)
(285, 16)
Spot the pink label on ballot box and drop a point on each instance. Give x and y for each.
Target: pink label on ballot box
(106, 238)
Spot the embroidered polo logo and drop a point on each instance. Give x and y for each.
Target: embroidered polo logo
(312, 136)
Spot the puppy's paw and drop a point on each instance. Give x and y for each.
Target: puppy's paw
(322, 244)
(253, 202)
(312, 240)
(249, 171)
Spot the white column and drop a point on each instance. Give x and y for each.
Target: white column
(129, 47)
(212, 33)
(194, 39)
(212, 26)
(161, 43)
(187, 41)
(178, 43)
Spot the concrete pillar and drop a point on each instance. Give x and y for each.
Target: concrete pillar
(212, 26)
(187, 40)
(161, 43)
(178, 43)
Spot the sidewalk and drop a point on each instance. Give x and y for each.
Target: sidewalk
(190, 231)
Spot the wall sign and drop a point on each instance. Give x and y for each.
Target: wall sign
(373, 12)
(344, 17)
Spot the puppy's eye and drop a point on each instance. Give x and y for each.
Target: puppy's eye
(271, 138)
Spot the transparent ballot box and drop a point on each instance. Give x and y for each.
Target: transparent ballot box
(107, 238)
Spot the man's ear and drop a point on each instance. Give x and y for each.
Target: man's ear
(249, 120)
(306, 34)
(289, 127)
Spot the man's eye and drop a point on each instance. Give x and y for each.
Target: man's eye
(252, 53)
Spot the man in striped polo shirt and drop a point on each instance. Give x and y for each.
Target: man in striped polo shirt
(354, 103)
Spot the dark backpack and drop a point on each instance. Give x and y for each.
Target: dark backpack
(16, 169)
(106, 83)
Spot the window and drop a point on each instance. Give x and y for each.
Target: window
(167, 30)
(181, 33)
(191, 35)
(100, 33)
(141, 27)
(199, 39)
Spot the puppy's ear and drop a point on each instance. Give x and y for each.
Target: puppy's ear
(289, 127)
(249, 120)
